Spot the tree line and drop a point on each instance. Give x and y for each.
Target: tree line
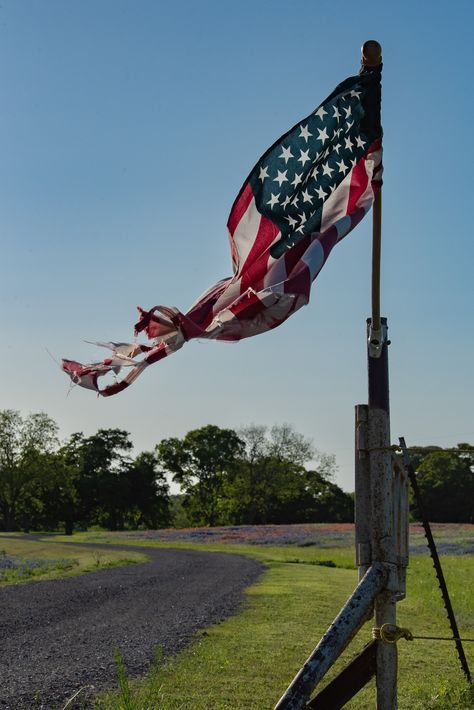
(255, 475)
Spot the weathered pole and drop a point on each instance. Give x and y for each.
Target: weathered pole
(383, 535)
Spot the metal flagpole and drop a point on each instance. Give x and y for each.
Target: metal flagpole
(372, 57)
(382, 533)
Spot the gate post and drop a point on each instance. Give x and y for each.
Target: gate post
(383, 534)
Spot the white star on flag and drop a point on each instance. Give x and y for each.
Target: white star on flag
(304, 157)
(323, 135)
(320, 113)
(286, 154)
(304, 133)
(342, 167)
(281, 177)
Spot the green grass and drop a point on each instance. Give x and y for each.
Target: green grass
(246, 662)
(340, 556)
(59, 560)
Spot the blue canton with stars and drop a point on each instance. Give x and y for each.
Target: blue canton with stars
(302, 169)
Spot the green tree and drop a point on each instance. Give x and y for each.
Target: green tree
(324, 501)
(270, 483)
(268, 478)
(200, 463)
(102, 488)
(148, 493)
(446, 482)
(419, 453)
(57, 493)
(25, 445)
(178, 512)
(95, 480)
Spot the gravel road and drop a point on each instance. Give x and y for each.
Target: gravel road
(58, 636)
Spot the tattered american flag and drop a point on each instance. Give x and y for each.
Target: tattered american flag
(306, 193)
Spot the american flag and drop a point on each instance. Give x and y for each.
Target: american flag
(304, 195)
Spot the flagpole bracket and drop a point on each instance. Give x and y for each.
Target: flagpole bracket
(376, 339)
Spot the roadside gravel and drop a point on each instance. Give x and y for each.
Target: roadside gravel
(57, 636)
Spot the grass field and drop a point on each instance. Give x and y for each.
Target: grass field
(23, 560)
(246, 662)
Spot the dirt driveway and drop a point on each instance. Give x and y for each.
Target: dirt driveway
(57, 636)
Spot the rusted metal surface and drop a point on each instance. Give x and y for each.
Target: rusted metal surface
(383, 550)
(355, 612)
(381, 481)
(436, 561)
(363, 527)
(348, 682)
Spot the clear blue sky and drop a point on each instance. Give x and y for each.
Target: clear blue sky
(127, 129)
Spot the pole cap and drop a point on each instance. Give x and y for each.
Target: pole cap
(371, 53)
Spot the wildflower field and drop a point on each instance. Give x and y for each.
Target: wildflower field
(451, 538)
(23, 560)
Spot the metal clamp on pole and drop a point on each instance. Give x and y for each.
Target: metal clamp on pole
(376, 339)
